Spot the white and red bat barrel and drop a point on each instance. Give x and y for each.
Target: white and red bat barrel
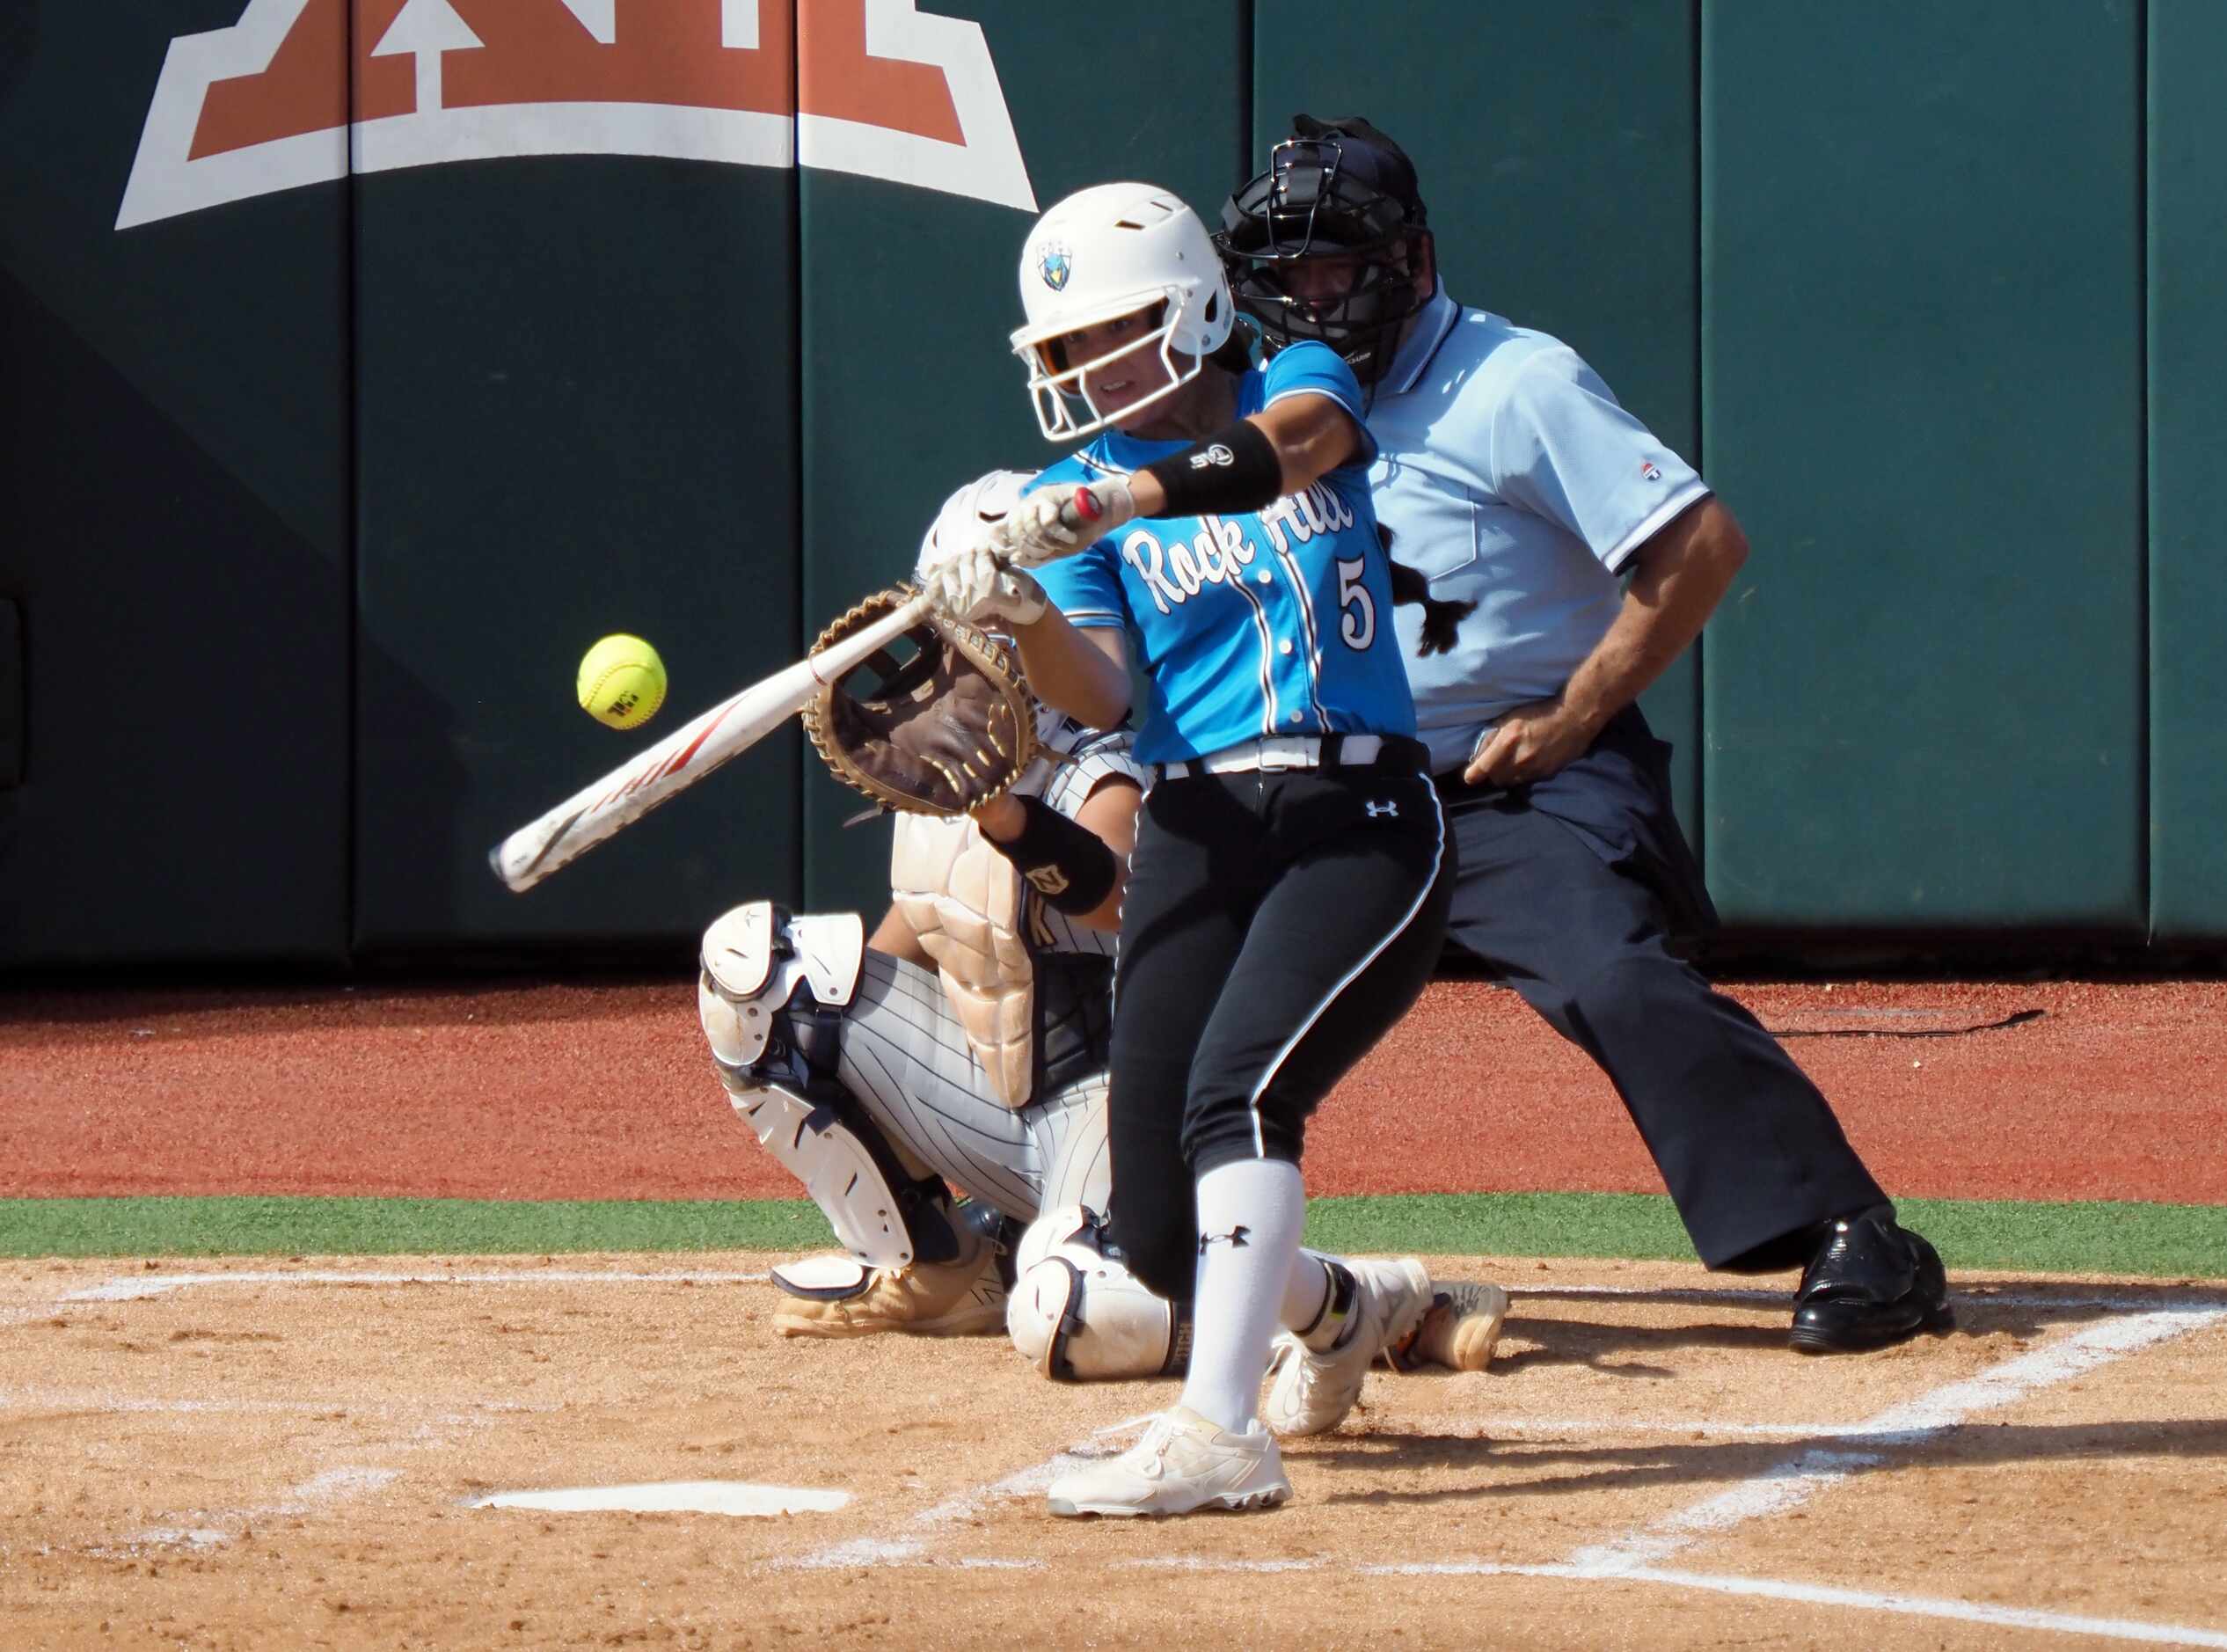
(683, 758)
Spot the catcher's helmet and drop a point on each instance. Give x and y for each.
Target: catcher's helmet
(969, 516)
(1114, 250)
(1335, 189)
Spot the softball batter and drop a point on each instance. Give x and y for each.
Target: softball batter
(1285, 902)
(964, 1042)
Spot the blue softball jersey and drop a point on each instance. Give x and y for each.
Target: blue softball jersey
(1271, 622)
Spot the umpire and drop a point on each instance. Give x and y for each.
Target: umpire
(1508, 476)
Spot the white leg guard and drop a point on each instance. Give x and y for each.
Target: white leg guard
(1075, 1313)
(838, 1170)
(756, 961)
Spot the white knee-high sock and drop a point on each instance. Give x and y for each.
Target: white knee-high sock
(1250, 1216)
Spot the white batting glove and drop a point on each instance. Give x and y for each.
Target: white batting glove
(1057, 521)
(939, 554)
(976, 586)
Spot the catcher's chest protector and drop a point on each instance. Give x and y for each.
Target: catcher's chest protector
(968, 906)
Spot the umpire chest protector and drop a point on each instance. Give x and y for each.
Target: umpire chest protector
(970, 908)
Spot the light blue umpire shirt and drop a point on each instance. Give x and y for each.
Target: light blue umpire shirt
(1256, 623)
(1510, 478)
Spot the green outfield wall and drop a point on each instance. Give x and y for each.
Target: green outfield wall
(363, 361)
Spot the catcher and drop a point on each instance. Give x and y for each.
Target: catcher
(964, 1042)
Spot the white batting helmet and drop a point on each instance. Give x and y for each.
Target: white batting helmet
(1111, 251)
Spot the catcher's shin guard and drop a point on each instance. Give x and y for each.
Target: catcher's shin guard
(1076, 1311)
(772, 998)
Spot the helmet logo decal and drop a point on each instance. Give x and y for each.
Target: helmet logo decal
(1056, 265)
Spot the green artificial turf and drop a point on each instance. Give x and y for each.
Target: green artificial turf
(2149, 1240)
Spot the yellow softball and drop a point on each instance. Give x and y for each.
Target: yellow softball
(622, 681)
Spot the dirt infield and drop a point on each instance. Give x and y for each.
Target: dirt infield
(250, 1455)
(256, 1454)
(542, 1091)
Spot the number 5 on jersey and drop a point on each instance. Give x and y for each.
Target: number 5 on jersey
(1357, 621)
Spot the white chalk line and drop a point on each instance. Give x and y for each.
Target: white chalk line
(1767, 1588)
(1964, 1297)
(81, 1399)
(1468, 1425)
(1932, 1606)
(913, 1550)
(1920, 1422)
(133, 1286)
(322, 1491)
(1788, 1484)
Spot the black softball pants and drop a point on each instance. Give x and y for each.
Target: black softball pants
(1275, 925)
(1570, 892)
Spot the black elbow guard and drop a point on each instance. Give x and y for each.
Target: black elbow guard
(1233, 470)
(1068, 864)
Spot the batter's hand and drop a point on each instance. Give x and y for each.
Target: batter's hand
(1531, 742)
(1057, 521)
(948, 548)
(977, 586)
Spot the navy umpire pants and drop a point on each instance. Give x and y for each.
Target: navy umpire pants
(1570, 891)
(1274, 925)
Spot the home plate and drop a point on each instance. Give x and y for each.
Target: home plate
(674, 1497)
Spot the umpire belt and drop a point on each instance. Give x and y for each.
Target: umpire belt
(1299, 751)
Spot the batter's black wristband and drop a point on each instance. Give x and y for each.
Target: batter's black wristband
(1233, 470)
(1065, 863)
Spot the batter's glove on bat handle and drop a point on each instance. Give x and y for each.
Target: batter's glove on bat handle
(978, 588)
(1058, 522)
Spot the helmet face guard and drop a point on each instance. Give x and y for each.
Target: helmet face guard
(1065, 409)
(1308, 206)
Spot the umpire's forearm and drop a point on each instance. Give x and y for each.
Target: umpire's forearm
(1070, 670)
(1683, 573)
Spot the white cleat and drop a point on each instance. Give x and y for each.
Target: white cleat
(1311, 1392)
(1183, 1463)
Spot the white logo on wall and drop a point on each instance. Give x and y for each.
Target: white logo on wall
(876, 88)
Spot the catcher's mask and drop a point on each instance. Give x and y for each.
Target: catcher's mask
(1341, 196)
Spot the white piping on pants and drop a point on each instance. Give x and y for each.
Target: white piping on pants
(1438, 860)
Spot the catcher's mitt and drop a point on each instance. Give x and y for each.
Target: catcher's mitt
(942, 734)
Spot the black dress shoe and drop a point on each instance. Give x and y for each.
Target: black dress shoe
(1871, 1283)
